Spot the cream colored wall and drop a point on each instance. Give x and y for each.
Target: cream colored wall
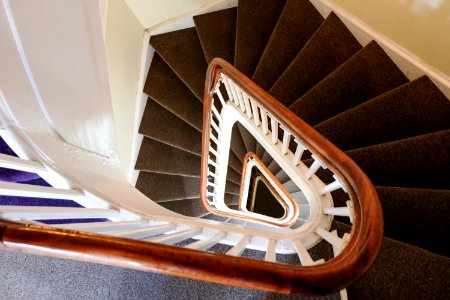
(152, 12)
(124, 36)
(421, 26)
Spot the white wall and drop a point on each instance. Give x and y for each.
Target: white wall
(421, 26)
(124, 37)
(152, 12)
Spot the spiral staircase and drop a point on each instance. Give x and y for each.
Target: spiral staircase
(397, 130)
(354, 95)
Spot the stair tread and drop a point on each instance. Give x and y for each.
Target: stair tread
(422, 161)
(415, 108)
(166, 187)
(217, 33)
(255, 23)
(166, 88)
(298, 20)
(182, 51)
(404, 272)
(418, 217)
(330, 46)
(158, 157)
(162, 125)
(188, 207)
(359, 79)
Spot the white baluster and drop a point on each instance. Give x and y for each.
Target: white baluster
(255, 113)
(298, 152)
(208, 243)
(303, 254)
(216, 113)
(138, 233)
(346, 211)
(314, 167)
(233, 91)
(215, 126)
(265, 125)
(228, 88)
(103, 226)
(219, 94)
(241, 98)
(35, 191)
(248, 108)
(214, 152)
(332, 238)
(286, 140)
(212, 174)
(335, 185)
(240, 246)
(176, 237)
(274, 125)
(211, 162)
(12, 162)
(54, 213)
(212, 137)
(270, 253)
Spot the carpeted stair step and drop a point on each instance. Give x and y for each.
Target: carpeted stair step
(369, 73)
(165, 187)
(255, 23)
(330, 46)
(160, 124)
(417, 216)
(158, 157)
(402, 271)
(182, 51)
(421, 162)
(415, 108)
(297, 23)
(214, 218)
(217, 33)
(188, 207)
(166, 88)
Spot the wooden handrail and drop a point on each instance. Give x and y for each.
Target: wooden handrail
(367, 230)
(281, 201)
(325, 278)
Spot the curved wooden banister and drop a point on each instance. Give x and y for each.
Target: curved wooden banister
(367, 231)
(325, 278)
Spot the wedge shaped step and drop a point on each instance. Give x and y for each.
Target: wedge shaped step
(160, 124)
(166, 88)
(367, 74)
(297, 23)
(330, 46)
(188, 207)
(217, 33)
(421, 161)
(158, 157)
(182, 51)
(255, 23)
(417, 216)
(165, 187)
(415, 108)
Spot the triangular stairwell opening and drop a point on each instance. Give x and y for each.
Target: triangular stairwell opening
(397, 130)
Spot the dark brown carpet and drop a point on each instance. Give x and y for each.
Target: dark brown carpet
(182, 51)
(299, 20)
(359, 79)
(422, 107)
(255, 22)
(217, 33)
(166, 88)
(328, 48)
